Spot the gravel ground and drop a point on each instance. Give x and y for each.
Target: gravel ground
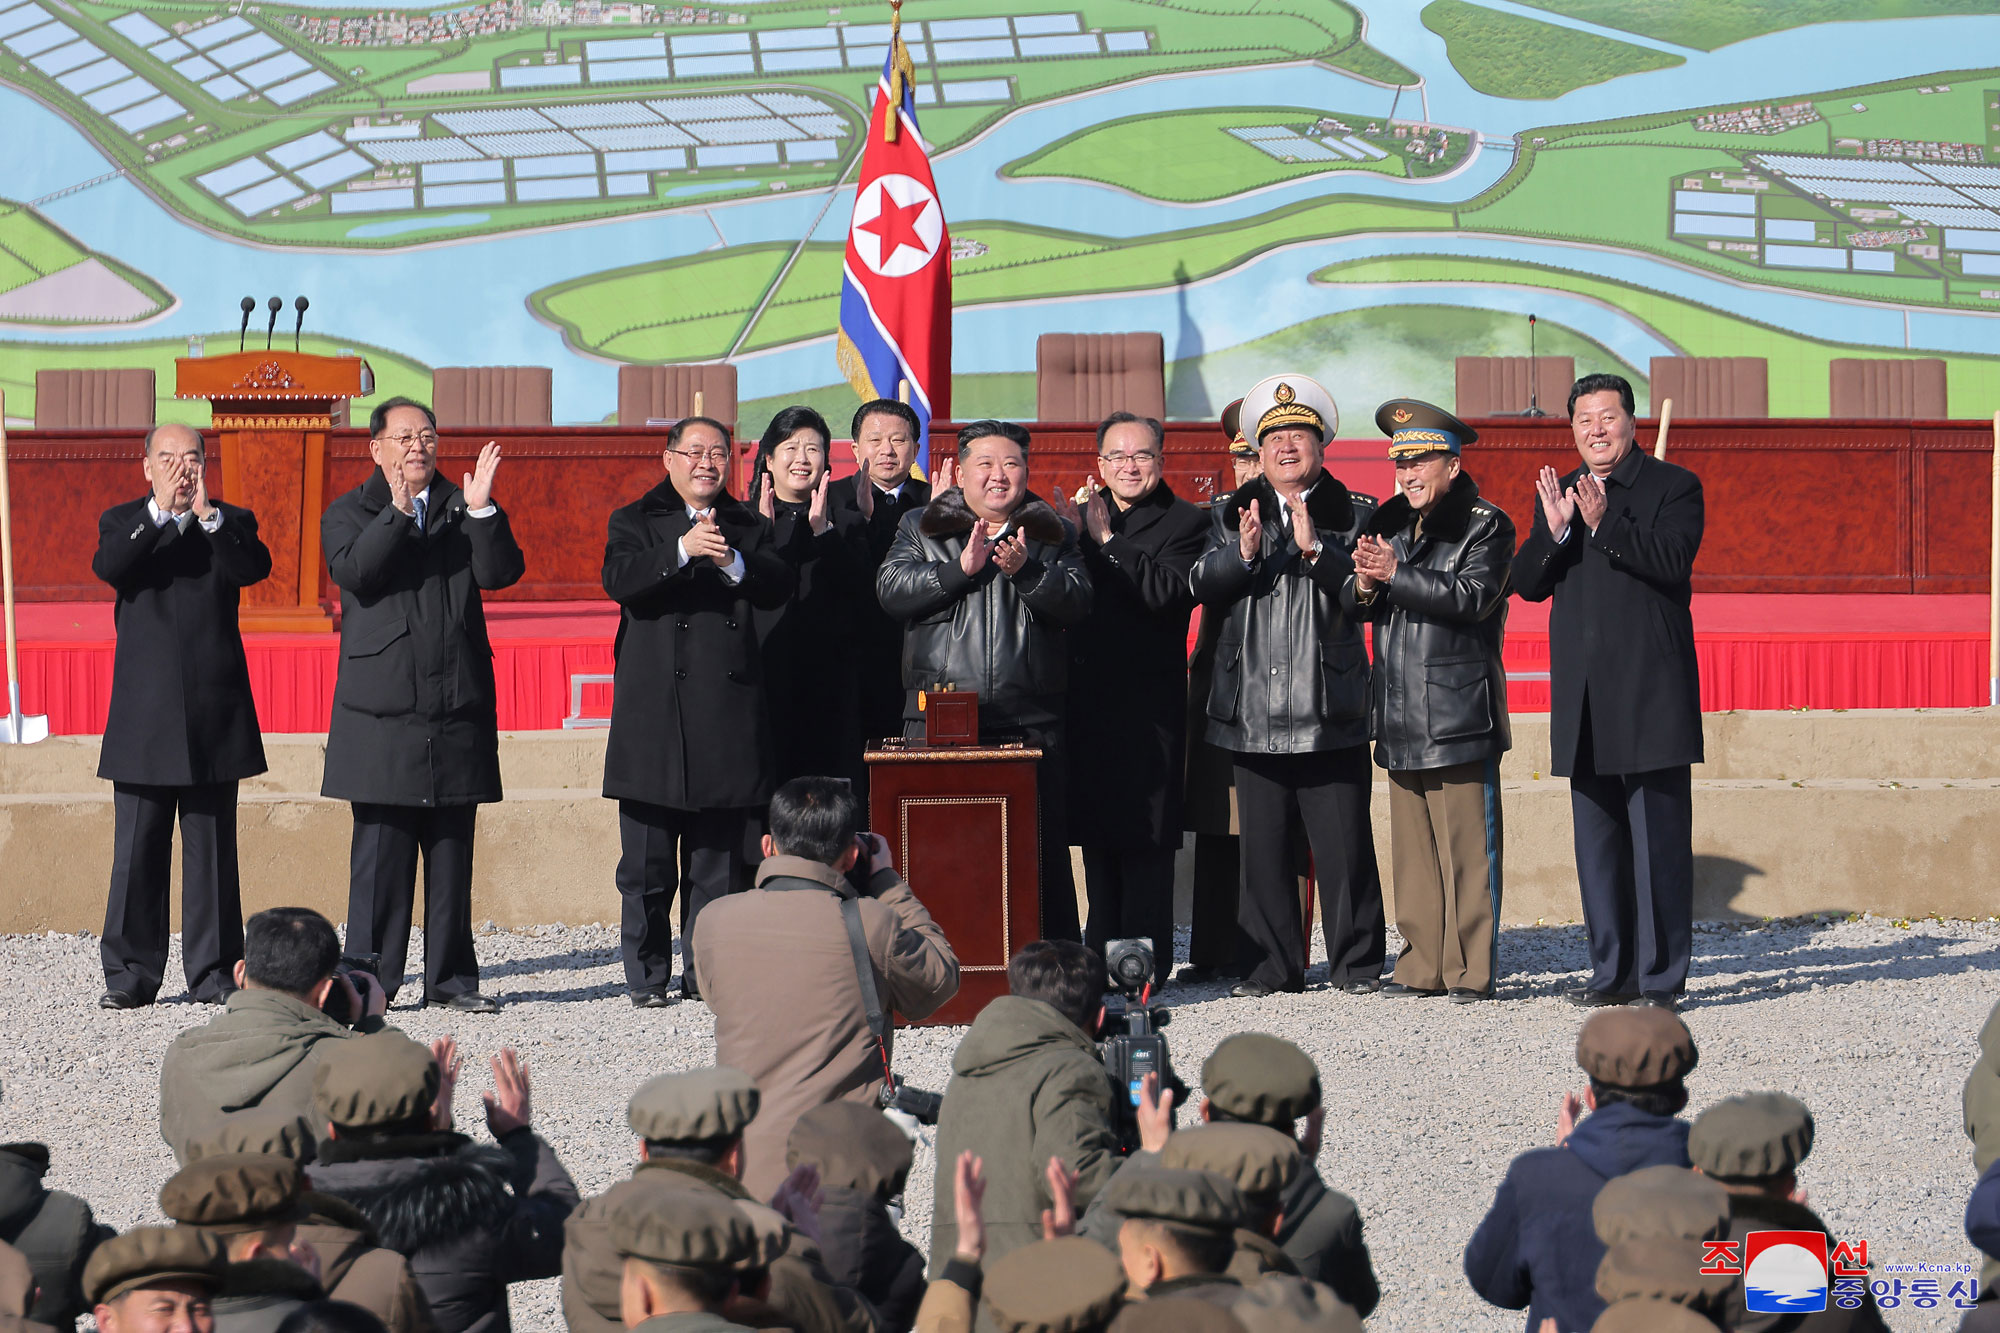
(1872, 1022)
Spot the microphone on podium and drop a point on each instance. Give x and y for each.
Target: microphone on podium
(274, 305)
(249, 304)
(300, 305)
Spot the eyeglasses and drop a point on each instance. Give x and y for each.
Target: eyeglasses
(428, 439)
(1139, 459)
(718, 454)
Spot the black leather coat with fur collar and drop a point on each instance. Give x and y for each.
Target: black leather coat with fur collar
(1291, 671)
(470, 1218)
(998, 634)
(1438, 695)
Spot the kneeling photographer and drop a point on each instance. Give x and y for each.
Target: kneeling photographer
(779, 968)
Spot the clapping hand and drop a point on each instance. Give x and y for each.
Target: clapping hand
(798, 1200)
(1374, 562)
(1156, 1114)
(864, 491)
(1591, 502)
(202, 505)
(399, 487)
(1066, 507)
(816, 513)
(704, 541)
(478, 483)
(508, 1106)
(946, 475)
(767, 499)
(1011, 553)
(1567, 1115)
(978, 546)
(1096, 513)
(1558, 507)
(1250, 532)
(445, 1051)
(170, 481)
(1303, 535)
(1059, 1218)
(968, 1193)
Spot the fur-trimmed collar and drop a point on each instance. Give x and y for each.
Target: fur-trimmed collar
(418, 1200)
(1328, 502)
(254, 1278)
(948, 515)
(333, 1152)
(1447, 521)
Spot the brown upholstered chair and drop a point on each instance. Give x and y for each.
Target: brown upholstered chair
(1495, 385)
(93, 399)
(1712, 386)
(1900, 390)
(1088, 376)
(666, 393)
(491, 395)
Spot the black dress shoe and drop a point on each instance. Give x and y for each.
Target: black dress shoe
(1397, 990)
(1583, 997)
(1196, 975)
(1466, 995)
(1363, 985)
(1249, 990)
(1670, 1003)
(651, 997)
(120, 999)
(689, 989)
(471, 1002)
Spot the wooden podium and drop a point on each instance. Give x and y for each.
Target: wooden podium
(962, 825)
(273, 411)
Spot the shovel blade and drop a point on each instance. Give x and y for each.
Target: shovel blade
(23, 729)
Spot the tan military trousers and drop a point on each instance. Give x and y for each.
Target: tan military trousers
(1445, 843)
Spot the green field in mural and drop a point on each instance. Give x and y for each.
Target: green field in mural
(589, 183)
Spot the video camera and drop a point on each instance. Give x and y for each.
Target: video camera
(1130, 1037)
(336, 1006)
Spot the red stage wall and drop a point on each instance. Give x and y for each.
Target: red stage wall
(1793, 506)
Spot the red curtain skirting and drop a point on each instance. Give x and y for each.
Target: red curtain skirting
(292, 676)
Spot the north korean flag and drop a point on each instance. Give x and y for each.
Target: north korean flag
(895, 292)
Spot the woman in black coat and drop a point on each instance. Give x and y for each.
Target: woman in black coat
(809, 642)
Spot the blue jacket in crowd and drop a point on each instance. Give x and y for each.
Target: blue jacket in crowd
(1536, 1247)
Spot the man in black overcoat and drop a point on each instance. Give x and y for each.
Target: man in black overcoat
(415, 742)
(1614, 543)
(866, 508)
(182, 729)
(1128, 686)
(689, 759)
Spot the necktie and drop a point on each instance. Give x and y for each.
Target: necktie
(421, 507)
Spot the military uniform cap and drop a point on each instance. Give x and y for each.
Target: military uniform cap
(698, 1104)
(235, 1192)
(1232, 429)
(1282, 401)
(1663, 1270)
(854, 1146)
(683, 1229)
(1067, 1285)
(1651, 1316)
(1660, 1202)
(1416, 427)
(1261, 1161)
(771, 1233)
(1202, 1200)
(375, 1082)
(1262, 1079)
(1634, 1047)
(255, 1129)
(152, 1257)
(1749, 1137)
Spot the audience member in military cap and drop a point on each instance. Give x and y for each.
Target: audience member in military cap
(54, 1230)
(470, 1218)
(355, 1268)
(155, 1280)
(1063, 1285)
(1537, 1247)
(1664, 1202)
(690, 1130)
(1258, 1079)
(1261, 1162)
(863, 1162)
(17, 1293)
(1179, 1232)
(1669, 1269)
(684, 1254)
(250, 1203)
(1751, 1146)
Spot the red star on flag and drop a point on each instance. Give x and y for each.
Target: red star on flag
(896, 224)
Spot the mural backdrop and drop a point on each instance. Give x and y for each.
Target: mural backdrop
(1362, 190)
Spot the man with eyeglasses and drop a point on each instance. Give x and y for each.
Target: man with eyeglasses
(415, 741)
(866, 508)
(689, 759)
(1128, 685)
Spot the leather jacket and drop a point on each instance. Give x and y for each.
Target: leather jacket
(1291, 672)
(998, 635)
(1439, 693)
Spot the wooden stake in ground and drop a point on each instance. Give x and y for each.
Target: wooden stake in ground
(1660, 439)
